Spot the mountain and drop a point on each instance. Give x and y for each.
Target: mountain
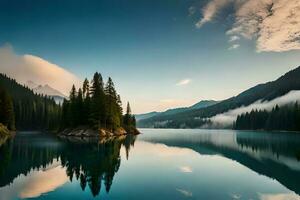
(31, 84)
(201, 104)
(196, 117)
(145, 115)
(46, 90)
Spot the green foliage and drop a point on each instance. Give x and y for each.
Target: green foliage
(129, 120)
(7, 117)
(97, 106)
(31, 111)
(279, 118)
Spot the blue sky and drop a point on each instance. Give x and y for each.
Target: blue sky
(149, 47)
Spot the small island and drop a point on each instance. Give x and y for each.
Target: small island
(91, 111)
(96, 111)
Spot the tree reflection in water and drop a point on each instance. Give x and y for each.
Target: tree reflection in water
(88, 161)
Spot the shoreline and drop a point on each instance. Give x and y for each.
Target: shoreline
(84, 132)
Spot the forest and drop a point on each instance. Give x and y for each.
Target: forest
(279, 118)
(96, 105)
(21, 109)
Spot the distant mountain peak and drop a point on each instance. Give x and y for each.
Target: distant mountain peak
(30, 84)
(44, 89)
(47, 90)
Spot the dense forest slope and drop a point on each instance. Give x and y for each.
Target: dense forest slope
(200, 104)
(25, 110)
(196, 118)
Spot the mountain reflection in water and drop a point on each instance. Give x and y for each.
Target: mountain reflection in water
(276, 155)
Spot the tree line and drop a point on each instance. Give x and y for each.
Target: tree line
(279, 118)
(97, 105)
(22, 109)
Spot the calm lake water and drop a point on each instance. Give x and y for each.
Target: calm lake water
(159, 164)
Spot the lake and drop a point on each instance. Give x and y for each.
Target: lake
(158, 164)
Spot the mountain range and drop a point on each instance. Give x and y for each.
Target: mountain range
(193, 118)
(200, 104)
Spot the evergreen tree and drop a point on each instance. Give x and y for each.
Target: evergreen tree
(79, 108)
(28, 111)
(279, 118)
(7, 117)
(86, 88)
(113, 112)
(97, 112)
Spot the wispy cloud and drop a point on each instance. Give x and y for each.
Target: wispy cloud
(29, 67)
(211, 10)
(234, 46)
(234, 38)
(274, 25)
(185, 192)
(186, 169)
(183, 82)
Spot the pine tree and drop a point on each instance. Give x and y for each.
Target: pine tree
(86, 88)
(113, 113)
(97, 113)
(79, 108)
(6, 110)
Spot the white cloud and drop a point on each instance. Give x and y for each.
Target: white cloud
(234, 38)
(186, 169)
(184, 82)
(29, 67)
(273, 24)
(211, 10)
(185, 193)
(234, 46)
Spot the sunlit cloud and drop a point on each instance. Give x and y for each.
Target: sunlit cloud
(283, 196)
(184, 82)
(186, 169)
(26, 68)
(274, 25)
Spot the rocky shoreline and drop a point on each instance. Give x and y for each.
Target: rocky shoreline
(88, 132)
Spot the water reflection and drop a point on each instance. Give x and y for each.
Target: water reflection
(275, 155)
(194, 164)
(46, 162)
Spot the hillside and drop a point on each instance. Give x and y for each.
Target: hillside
(200, 104)
(31, 111)
(195, 118)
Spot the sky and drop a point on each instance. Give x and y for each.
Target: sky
(160, 53)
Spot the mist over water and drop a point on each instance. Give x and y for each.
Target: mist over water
(226, 119)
